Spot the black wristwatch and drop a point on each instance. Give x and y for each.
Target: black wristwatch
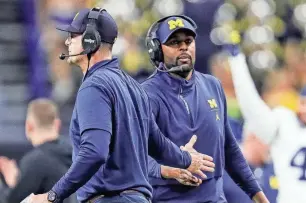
(52, 197)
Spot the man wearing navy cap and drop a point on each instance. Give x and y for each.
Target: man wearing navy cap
(184, 103)
(112, 129)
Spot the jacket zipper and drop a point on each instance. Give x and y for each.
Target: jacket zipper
(186, 106)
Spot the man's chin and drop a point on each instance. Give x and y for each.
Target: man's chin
(178, 63)
(71, 60)
(184, 63)
(190, 65)
(183, 74)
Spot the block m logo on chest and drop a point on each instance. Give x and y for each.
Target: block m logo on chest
(212, 103)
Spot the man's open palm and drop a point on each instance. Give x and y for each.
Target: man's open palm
(200, 162)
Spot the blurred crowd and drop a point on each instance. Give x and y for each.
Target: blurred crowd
(272, 35)
(133, 19)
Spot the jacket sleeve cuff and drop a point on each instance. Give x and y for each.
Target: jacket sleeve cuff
(59, 193)
(255, 188)
(158, 171)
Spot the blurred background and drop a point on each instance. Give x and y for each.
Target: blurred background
(272, 37)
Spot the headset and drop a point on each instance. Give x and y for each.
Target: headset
(154, 45)
(91, 39)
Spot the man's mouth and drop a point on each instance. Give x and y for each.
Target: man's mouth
(184, 58)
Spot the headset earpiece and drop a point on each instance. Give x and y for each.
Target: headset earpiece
(91, 39)
(154, 45)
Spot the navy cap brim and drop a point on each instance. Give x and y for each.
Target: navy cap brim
(68, 28)
(178, 29)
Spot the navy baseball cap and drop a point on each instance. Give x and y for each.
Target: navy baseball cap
(172, 24)
(106, 25)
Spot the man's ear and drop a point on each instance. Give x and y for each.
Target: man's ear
(29, 127)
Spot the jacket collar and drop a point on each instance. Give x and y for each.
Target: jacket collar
(111, 63)
(177, 84)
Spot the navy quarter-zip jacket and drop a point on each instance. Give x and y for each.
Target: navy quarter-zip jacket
(183, 108)
(111, 128)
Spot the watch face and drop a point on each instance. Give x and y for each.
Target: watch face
(51, 196)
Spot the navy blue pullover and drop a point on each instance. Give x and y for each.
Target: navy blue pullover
(196, 107)
(111, 127)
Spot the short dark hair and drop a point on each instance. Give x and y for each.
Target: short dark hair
(44, 111)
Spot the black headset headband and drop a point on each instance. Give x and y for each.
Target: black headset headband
(94, 13)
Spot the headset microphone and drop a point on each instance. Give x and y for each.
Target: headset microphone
(175, 69)
(63, 56)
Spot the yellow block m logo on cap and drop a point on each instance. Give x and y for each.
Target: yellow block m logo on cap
(212, 103)
(175, 23)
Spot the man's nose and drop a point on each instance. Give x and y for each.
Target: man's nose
(183, 46)
(67, 42)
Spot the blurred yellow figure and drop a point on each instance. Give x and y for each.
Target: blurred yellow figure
(235, 37)
(279, 90)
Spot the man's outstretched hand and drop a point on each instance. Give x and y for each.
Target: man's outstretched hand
(200, 162)
(181, 175)
(41, 198)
